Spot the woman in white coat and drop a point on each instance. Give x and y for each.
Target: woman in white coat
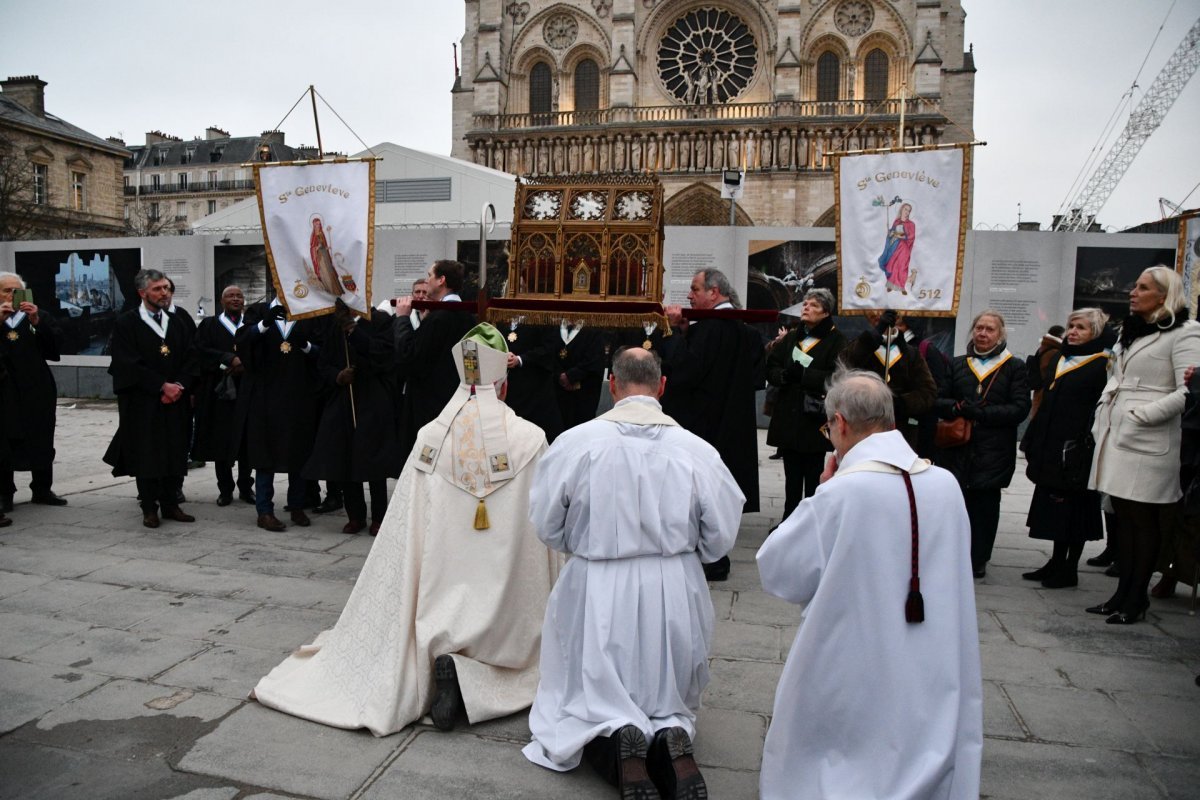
(1138, 432)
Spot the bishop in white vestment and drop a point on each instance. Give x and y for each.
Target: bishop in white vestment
(456, 572)
(639, 503)
(878, 698)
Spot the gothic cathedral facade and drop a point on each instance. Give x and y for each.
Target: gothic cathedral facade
(689, 88)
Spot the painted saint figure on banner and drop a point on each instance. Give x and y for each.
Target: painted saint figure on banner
(322, 259)
(897, 250)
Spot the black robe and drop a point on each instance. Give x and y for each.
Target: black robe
(913, 388)
(427, 364)
(214, 437)
(278, 401)
(714, 368)
(531, 385)
(791, 427)
(357, 438)
(30, 393)
(582, 361)
(152, 437)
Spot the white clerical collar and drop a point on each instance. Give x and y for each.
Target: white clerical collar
(726, 304)
(229, 324)
(569, 335)
(638, 398)
(15, 319)
(158, 327)
(414, 317)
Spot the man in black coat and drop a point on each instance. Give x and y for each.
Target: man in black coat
(579, 369)
(218, 382)
(152, 370)
(277, 405)
(423, 355)
(31, 396)
(532, 354)
(714, 367)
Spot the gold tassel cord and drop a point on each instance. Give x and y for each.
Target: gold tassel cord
(481, 517)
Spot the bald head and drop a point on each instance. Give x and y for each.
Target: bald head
(636, 371)
(862, 399)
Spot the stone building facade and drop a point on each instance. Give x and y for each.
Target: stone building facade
(689, 88)
(57, 181)
(170, 184)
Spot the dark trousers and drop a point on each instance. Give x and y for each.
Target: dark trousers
(356, 504)
(154, 493)
(225, 482)
(1140, 533)
(983, 509)
(801, 474)
(264, 492)
(40, 480)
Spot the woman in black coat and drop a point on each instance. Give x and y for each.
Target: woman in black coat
(800, 365)
(1063, 509)
(989, 387)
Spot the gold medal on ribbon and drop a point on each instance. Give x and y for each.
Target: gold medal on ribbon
(285, 347)
(563, 354)
(164, 350)
(13, 336)
(647, 345)
(512, 337)
(979, 389)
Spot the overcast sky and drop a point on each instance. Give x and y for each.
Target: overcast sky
(1051, 72)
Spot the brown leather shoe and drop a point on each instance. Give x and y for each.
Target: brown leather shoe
(270, 522)
(150, 519)
(301, 519)
(374, 531)
(176, 513)
(4, 521)
(354, 526)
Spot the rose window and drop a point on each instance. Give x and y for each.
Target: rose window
(707, 56)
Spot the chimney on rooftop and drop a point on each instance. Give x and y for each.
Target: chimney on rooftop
(213, 132)
(28, 90)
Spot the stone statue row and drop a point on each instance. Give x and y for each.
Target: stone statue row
(686, 151)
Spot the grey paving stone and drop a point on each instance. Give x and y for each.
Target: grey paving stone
(1179, 776)
(998, 718)
(275, 627)
(1168, 722)
(124, 699)
(728, 783)
(15, 582)
(195, 617)
(24, 633)
(1076, 716)
(87, 536)
(123, 608)
(722, 602)
(137, 572)
(990, 629)
(742, 685)
(349, 545)
(27, 691)
(513, 728)
(1088, 633)
(1011, 663)
(268, 561)
(727, 738)
(760, 608)
(265, 748)
(224, 793)
(178, 549)
(1112, 673)
(62, 564)
(458, 765)
(745, 641)
(1025, 770)
(56, 596)
(208, 581)
(297, 592)
(117, 653)
(345, 570)
(228, 670)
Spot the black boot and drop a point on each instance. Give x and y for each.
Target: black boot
(673, 768)
(448, 707)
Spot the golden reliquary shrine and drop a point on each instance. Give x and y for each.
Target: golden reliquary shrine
(587, 238)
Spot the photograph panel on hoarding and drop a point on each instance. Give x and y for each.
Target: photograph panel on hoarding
(781, 272)
(244, 266)
(85, 291)
(1104, 276)
(1187, 257)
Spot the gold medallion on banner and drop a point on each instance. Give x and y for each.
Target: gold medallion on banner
(285, 347)
(300, 290)
(862, 288)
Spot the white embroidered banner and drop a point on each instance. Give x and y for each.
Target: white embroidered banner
(901, 230)
(319, 230)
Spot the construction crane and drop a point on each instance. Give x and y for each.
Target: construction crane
(1143, 121)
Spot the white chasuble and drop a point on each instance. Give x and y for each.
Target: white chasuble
(869, 705)
(434, 585)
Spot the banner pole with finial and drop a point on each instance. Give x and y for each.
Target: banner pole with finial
(312, 93)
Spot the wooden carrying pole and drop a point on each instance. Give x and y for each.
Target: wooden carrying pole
(312, 93)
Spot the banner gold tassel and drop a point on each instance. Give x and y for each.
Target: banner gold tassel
(481, 517)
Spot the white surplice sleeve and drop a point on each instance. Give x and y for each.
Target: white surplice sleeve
(549, 499)
(721, 504)
(793, 558)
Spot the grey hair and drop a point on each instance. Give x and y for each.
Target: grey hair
(4, 275)
(715, 279)
(630, 369)
(145, 277)
(862, 398)
(991, 312)
(1094, 317)
(822, 296)
(1171, 285)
